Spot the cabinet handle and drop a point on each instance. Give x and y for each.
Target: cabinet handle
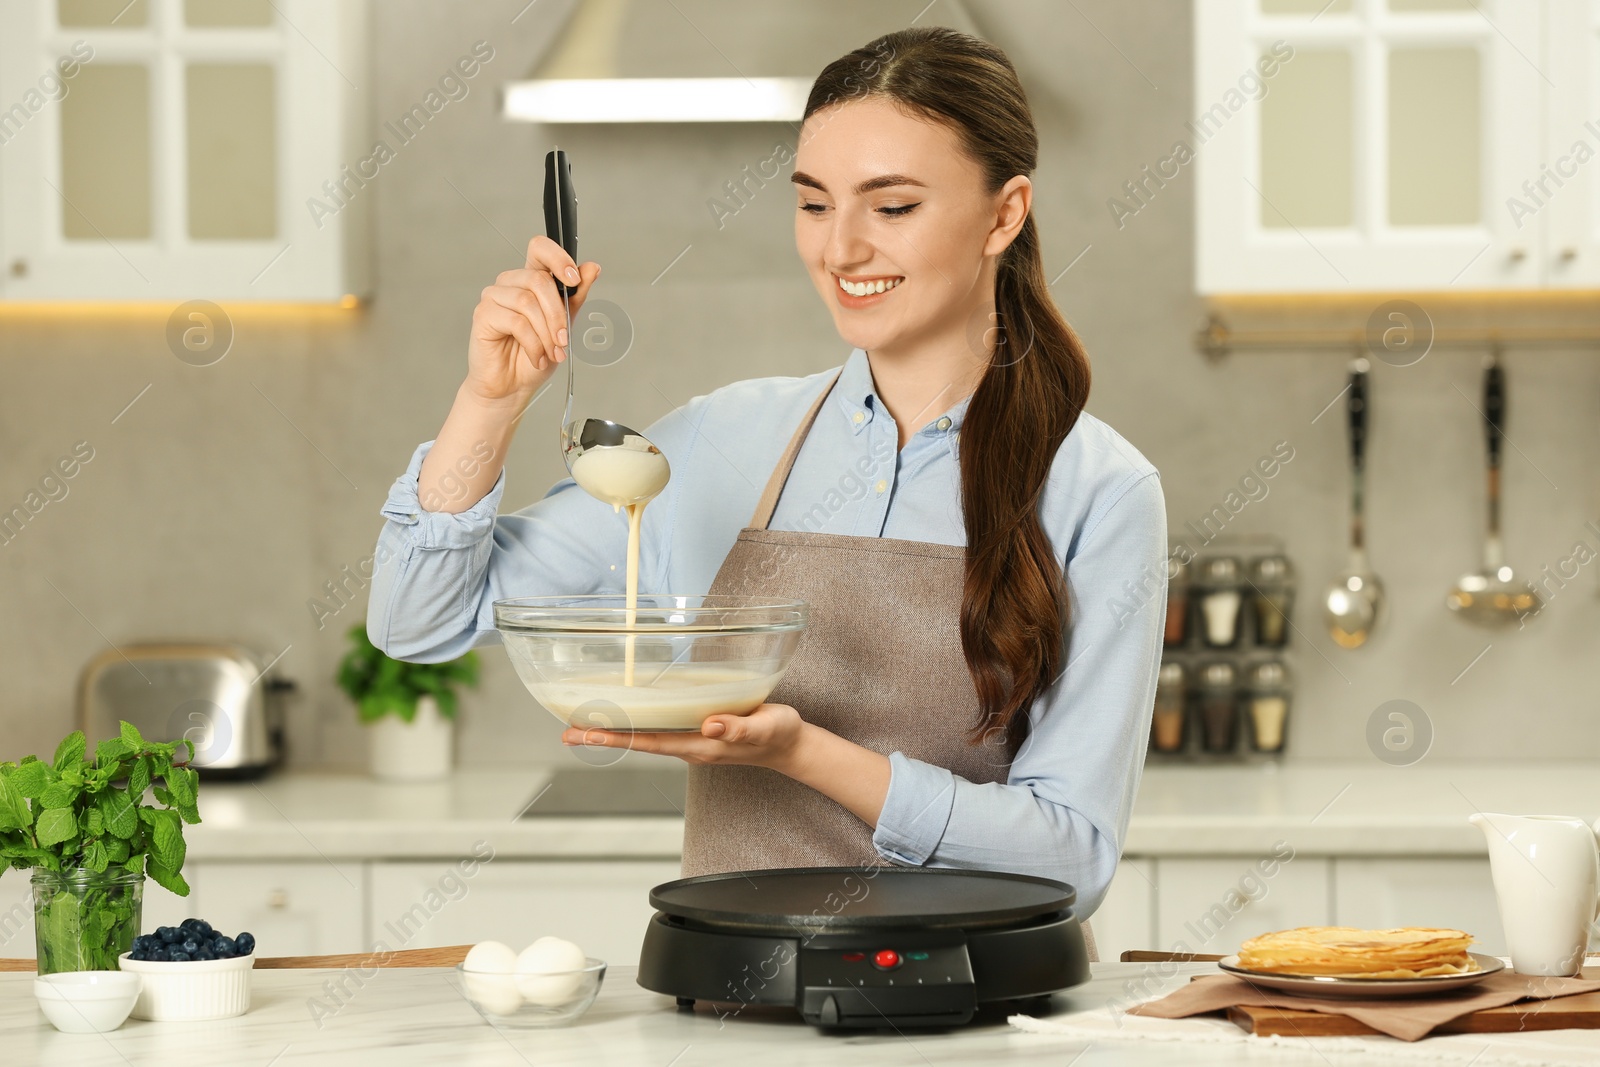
(19, 268)
(278, 898)
(1568, 254)
(1518, 255)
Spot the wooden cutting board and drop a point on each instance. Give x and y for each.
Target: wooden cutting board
(1581, 1011)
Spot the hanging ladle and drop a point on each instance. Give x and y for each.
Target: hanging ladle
(1350, 606)
(1492, 597)
(608, 460)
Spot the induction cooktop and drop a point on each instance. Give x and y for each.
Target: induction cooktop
(854, 947)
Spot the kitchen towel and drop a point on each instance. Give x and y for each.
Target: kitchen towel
(1407, 1019)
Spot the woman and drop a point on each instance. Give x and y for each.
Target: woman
(984, 562)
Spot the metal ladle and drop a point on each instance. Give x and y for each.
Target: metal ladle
(1492, 597)
(1350, 606)
(579, 436)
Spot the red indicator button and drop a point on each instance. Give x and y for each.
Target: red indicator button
(886, 959)
(854, 957)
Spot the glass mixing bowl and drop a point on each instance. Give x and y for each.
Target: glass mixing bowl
(682, 659)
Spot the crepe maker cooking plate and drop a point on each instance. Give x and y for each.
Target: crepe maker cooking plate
(863, 946)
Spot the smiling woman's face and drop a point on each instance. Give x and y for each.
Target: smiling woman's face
(890, 200)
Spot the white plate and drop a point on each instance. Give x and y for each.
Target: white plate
(1328, 985)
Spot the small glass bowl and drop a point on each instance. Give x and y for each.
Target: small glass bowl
(531, 1001)
(676, 661)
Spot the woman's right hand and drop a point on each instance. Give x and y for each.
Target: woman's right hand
(519, 328)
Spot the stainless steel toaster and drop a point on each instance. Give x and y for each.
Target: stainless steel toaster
(216, 695)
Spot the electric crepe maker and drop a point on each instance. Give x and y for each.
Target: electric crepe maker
(860, 947)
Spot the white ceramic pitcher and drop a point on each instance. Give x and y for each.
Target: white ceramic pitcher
(1546, 871)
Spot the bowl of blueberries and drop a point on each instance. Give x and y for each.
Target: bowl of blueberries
(191, 971)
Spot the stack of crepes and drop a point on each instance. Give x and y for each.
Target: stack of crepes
(1408, 952)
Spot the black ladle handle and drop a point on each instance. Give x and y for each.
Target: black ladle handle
(1357, 405)
(561, 208)
(1494, 408)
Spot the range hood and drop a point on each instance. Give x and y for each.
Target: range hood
(702, 60)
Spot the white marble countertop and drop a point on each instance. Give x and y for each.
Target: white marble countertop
(418, 1016)
(1326, 809)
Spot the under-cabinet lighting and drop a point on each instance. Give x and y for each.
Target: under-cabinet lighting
(655, 100)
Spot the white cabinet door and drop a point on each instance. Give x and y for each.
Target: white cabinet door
(16, 915)
(602, 906)
(1382, 893)
(1211, 905)
(293, 908)
(162, 907)
(173, 151)
(1563, 195)
(1363, 145)
(1126, 918)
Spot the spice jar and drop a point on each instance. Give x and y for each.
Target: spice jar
(1177, 602)
(1219, 707)
(1167, 722)
(1220, 601)
(1269, 705)
(1272, 596)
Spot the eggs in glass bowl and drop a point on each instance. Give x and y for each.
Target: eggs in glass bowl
(549, 983)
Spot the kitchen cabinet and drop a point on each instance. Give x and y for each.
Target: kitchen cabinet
(1126, 918)
(603, 906)
(1457, 893)
(1365, 145)
(16, 914)
(1211, 905)
(300, 909)
(183, 150)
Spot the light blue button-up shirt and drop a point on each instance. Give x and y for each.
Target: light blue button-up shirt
(1063, 811)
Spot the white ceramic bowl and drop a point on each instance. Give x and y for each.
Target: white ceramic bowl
(86, 1002)
(192, 989)
(499, 997)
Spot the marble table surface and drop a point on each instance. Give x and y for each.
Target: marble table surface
(398, 1017)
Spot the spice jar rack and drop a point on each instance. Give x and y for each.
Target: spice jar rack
(1224, 690)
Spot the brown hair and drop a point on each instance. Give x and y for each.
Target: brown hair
(1014, 604)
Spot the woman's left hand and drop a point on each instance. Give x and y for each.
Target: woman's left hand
(769, 736)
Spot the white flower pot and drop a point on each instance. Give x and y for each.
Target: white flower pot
(415, 751)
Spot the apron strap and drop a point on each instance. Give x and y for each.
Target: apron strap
(780, 474)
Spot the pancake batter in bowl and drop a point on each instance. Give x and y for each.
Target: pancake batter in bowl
(974, 688)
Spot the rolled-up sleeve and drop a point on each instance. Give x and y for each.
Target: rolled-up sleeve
(1063, 811)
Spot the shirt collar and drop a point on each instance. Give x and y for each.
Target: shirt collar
(857, 400)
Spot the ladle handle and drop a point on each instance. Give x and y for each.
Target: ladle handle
(1357, 405)
(561, 208)
(1494, 408)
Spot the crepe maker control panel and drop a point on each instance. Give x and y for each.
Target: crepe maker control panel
(885, 979)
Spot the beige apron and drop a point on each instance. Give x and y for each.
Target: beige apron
(880, 664)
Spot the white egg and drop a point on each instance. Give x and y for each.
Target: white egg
(491, 957)
(496, 994)
(545, 971)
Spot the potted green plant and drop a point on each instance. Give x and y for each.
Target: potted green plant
(91, 842)
(408, 707)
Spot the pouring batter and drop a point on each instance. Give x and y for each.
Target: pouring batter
(625, 477)
(981, 556)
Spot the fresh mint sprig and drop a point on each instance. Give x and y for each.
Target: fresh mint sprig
(69, 814)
